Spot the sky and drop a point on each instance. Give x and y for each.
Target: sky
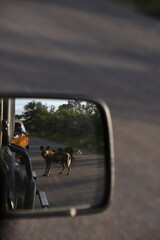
(21, 102)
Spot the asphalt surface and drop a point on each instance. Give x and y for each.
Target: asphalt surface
(83, 187)
(101, 49)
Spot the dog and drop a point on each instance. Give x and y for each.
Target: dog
(55, 156)
(71, 151)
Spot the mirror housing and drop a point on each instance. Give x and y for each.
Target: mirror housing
(29, 180)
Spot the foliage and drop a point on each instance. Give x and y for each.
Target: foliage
(76, 124)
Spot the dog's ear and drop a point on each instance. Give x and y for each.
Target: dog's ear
(48, 147)
(41, 148)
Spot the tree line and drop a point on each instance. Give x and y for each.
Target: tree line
(77, 124)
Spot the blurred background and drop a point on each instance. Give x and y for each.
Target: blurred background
(148, 7)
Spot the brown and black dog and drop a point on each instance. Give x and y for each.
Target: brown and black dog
(71, 151)
(55, 156)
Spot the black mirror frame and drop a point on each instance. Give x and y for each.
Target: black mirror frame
(109, 163)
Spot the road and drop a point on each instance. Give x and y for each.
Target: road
(84, 186)
(101, 49)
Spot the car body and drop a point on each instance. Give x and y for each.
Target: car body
(99, 49)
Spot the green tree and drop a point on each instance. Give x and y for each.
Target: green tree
(34, 115)
(77, 123)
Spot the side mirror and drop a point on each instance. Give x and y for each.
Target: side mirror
(64, 165)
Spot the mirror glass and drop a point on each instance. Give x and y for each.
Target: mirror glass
(64, 139)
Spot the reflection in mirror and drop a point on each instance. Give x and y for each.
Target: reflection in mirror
(64, 140)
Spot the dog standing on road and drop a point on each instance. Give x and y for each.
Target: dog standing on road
(55, 156)
(71, 151)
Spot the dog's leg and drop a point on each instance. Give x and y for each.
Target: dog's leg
(63, 166)
(45, 173)
(68, 164)
(72, 159)
(48, 169)
(69, 169)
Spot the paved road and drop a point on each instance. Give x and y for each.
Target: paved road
(104, 50)
(84, 186)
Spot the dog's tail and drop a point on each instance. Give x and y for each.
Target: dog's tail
(78, 151)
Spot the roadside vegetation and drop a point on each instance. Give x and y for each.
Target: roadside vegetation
(148, 7)
(75, 124)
